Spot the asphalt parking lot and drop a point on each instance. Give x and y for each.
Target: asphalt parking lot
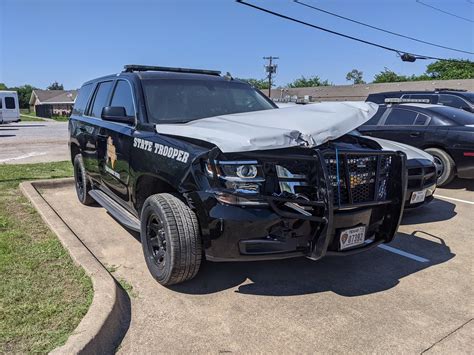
(414, 296)
(33, 142)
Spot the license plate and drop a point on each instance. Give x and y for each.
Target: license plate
(352, 237)
(418, 196)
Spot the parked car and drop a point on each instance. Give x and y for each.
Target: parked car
(9, 108)
(201, 164)
(455, 98)
(444, 132)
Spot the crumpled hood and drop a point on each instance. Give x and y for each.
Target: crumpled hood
(307, 125)
(411, 152)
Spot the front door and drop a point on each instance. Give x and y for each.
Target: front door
(114, 144)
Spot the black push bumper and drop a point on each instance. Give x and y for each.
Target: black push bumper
(238, 233)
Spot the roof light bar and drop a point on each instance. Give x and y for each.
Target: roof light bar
(134, 68)
(402, 101)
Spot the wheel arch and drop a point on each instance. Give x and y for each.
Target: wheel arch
(147, 185)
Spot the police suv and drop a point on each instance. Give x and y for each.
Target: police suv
(203, 165)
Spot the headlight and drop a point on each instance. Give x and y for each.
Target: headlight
(243, 177)
(238, 171)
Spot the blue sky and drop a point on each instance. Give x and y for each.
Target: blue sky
(71, 41)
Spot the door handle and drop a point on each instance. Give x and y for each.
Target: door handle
(415, 134)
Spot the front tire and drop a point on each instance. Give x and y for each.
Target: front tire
(170, 239)
(445, 163)
(83, 185)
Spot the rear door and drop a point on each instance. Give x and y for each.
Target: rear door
(403, 125)
(10, 109)
(115, 141)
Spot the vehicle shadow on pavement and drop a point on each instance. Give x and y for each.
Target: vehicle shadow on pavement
(460, 184)
(436, 211)
(361, 274)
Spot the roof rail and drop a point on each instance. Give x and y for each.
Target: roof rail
(448, 89)
(134, 67)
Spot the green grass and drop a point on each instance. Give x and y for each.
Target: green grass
(43, 294)
(32, 116)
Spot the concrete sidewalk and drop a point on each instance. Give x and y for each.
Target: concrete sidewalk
(379, 301)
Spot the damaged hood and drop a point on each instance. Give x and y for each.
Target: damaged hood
(306, 125)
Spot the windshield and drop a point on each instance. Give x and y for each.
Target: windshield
(184, 100)
(459, 116)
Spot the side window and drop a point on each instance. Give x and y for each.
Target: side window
(376, 118)
(401, 117)
(451, 100)
(123, 97)
(1, 102)
(101, 98)
(10, 103)
(421, 120)
(82, 99)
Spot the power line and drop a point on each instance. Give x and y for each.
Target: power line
(380, 29)
(443, 11)
(411, 57)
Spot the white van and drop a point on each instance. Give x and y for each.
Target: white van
(9, 108)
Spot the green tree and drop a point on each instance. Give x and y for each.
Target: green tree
(3, 86)
(260, 84)
(389, 76)
(55, 86)
(24, 95)
(356, 76)
(445, 70)
(308, 82)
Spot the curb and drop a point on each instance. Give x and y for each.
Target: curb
(106, 321)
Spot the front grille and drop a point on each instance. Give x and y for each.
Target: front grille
(419, 178)
(359, 178)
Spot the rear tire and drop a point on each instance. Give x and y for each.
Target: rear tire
(82, 183)
(170, 238)
(446, 163)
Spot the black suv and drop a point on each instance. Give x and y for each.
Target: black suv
(455, 98)
(189, 199)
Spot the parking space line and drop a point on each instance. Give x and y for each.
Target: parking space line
(403, 253)
(454, 199)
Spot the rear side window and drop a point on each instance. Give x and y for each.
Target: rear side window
(82, 99)
(421, 120)
(1, 103)
(101, 98)
(123, 97)
(400, 117)
(453, 101)
(9, 103)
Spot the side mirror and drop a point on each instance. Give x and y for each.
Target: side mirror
(116, 114)
(467, 108)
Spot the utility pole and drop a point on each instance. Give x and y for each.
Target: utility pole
(270, 68)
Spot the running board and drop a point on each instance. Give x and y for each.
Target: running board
(117, 211)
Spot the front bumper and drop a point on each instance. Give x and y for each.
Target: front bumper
(421, 177)
(238, 233)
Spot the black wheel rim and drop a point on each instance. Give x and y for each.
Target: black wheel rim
(439, 165)
(79, 181)
(156, 237)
